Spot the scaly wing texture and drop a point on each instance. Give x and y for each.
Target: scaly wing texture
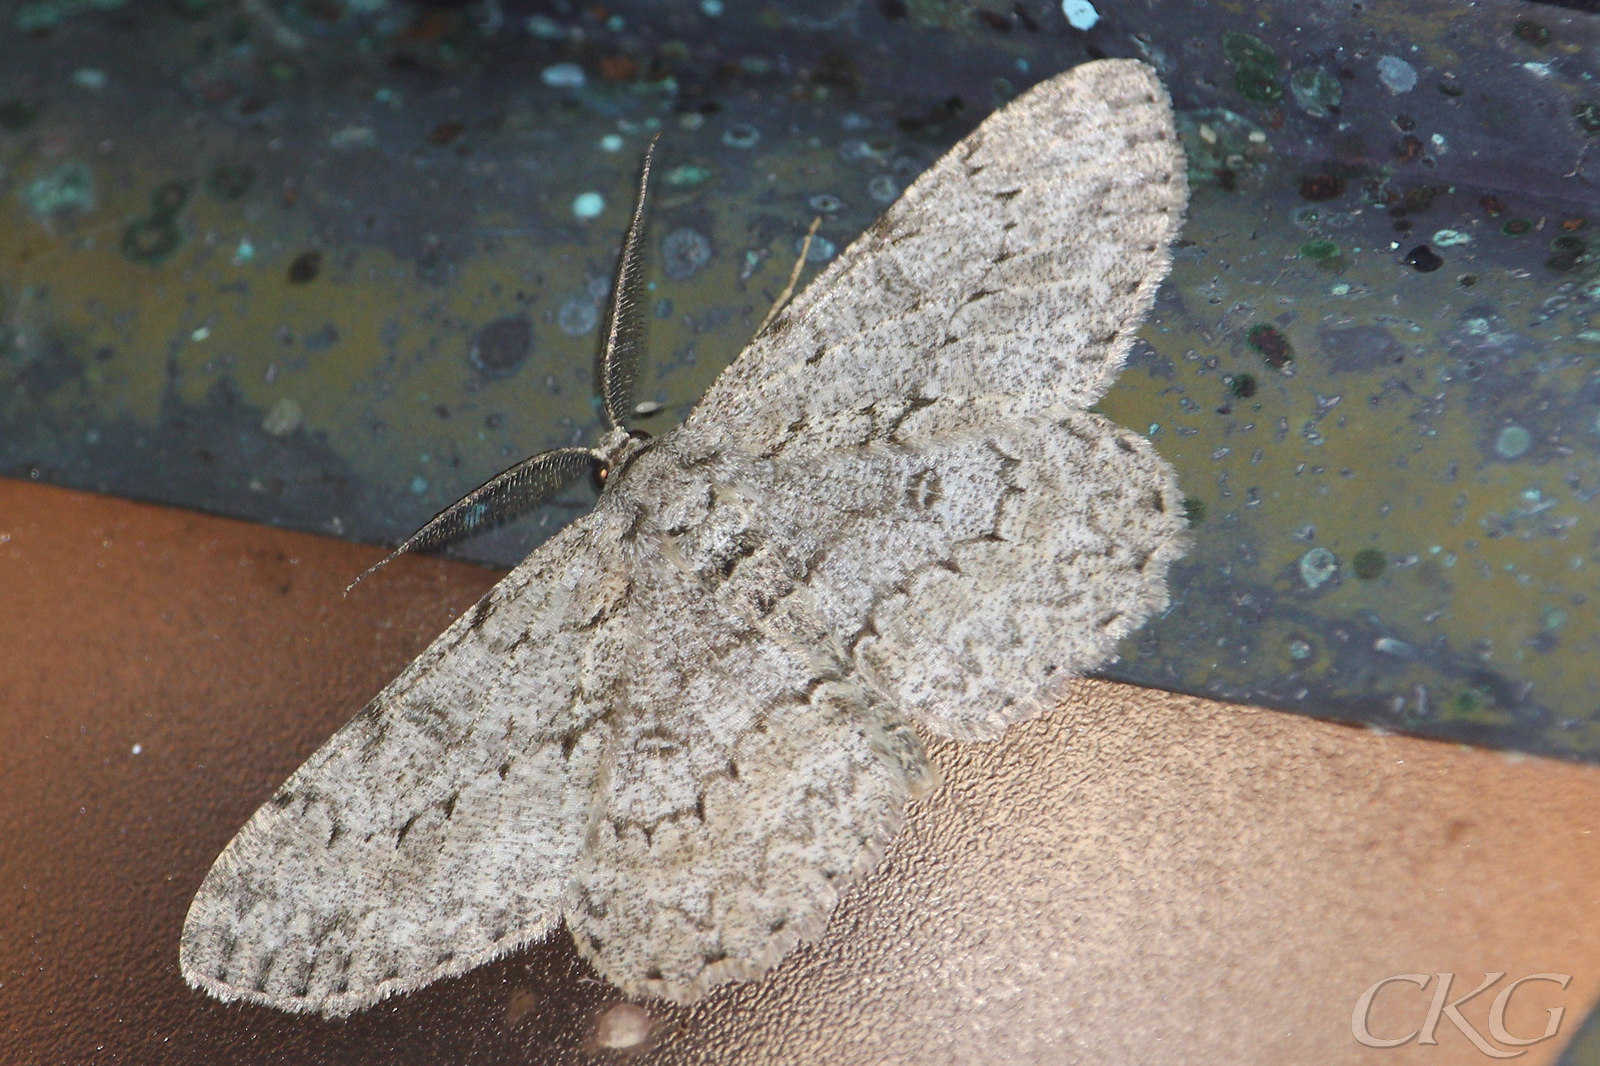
(983, 559)
(1018, 264)
(440, 826)
(752, 773)
(682, 724)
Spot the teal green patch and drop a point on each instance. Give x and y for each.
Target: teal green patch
(1320, 250)
(687, 176)
(1315, 90)
(1194, 510)
(1257, 73)
(66, 190)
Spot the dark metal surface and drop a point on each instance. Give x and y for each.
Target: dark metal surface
(329, 265)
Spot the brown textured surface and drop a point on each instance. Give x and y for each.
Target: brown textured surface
(1137, 877)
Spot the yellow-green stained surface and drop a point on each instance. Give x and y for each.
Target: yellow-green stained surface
(329, 265)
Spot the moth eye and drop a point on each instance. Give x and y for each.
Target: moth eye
(599, 475)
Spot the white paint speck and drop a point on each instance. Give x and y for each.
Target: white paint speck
(1397, 75)
(1081, 14)
(353, 138)
(611, 142)
(563, 76)
(89, 78)
(588, 205)
(711, 8)
(138, 748)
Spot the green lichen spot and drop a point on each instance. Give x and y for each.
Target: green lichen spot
(1194, 511)
(1320, 250)
(1369, 564)
(1243, 386)
(1256, 86)
(1257, 63)
(1249, 52)
(1569, 244)
(1516, 227)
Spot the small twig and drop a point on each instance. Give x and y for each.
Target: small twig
(794, 276)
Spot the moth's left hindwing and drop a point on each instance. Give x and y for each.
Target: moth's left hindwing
(439, 828)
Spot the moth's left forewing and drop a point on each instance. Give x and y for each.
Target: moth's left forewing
(439, 827)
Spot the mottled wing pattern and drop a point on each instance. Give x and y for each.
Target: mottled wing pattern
(1019, 264)
(437, 829)
(752, 774)
(682, 723)
(980, 559)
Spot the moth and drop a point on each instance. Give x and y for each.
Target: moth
(688, 721)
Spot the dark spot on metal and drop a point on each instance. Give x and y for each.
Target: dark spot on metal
(501, 347)
(17, 115)
(151, 240)
(683, 252)
(1423, 259)
(1272, 345)
(1532, 32)
(1516, 227)
(446, 132)
(1408, 149)
(1493, 205)
(1369, 564)
(1321, 187)
(1243, 386)
(305, 267)
(230, 182)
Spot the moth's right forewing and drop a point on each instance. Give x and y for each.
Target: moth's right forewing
(438, 828)
(1019, 264)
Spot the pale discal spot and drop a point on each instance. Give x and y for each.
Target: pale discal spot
(624, 1027)
(693, 718)
(522, 1003)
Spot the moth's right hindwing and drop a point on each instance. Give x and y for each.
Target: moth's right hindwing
(438, 829)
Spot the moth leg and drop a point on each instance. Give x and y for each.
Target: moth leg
(505, 496)
(794, 276)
